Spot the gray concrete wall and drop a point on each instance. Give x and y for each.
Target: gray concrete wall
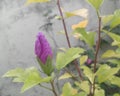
(19, 25)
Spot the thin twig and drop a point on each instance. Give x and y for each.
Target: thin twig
(64, 25)
(78, 69)
(98, 44)
(97, 51)
(68, 41)
(53, 88)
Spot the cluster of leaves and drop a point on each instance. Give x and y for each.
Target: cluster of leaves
(99, 82)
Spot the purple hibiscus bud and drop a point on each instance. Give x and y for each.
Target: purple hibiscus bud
(42, 48)
(89, 61)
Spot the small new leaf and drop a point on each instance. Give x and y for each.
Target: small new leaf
(96, 3)
(88, 37)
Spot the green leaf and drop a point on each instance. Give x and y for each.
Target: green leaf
(105, 72)
(65, 76)
(115, 22)
(96, 3)
(116, 94)
(80, 12)
(110, 54)
(115, 37)
(81, 94)
(67, 90)
(84, 85)
(99, 92)
(36, 1)
(88, 73)
(88, 37)
(115, 80)
(14, 72)
(115, 61)
(83, 59)
(32, 80)
(107, 19)
(64, 59)
(116, 19)
(17, 74)
(118, 50)
(30, 77)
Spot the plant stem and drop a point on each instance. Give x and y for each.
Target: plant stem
(98, 44)
(78, 69)
(67, 37)
(53, 88)
(64, 25)
(97, 50)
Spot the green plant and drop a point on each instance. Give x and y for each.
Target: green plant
(100, 78)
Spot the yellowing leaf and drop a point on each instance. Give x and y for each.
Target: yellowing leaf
(107, 19)
(84, 85)
(80, 12)
(68, 90)
(88, 73)
(111, 54)
(36, 1)
(65, 76)
(105, 72)
(88, 37)
(29, 76)
(83, 59)
(77, 35)
(82, 24)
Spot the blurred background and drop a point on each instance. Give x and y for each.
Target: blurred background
(19, 25)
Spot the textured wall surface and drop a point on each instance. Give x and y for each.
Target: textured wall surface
(19, 25)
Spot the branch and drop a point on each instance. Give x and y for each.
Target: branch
(68, 41)
(97, 50)
(98, 44)
(64, 25)
(53, 88)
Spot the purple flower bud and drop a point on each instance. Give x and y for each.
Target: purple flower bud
(42, 48)
(89, 61)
